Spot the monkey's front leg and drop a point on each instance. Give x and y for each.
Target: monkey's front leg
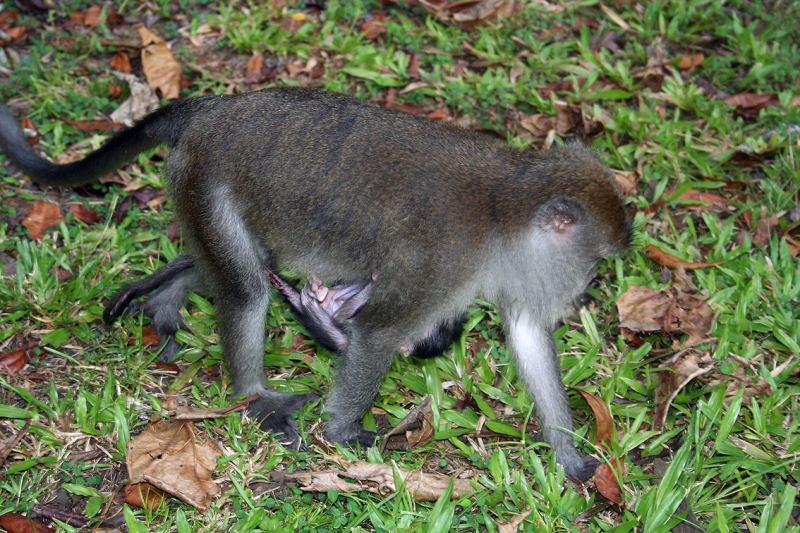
(537, 364)
(359, 374)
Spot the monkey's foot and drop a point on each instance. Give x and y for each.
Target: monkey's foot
(581, 468)
(356, 436)
(365, 438)
(274, 410)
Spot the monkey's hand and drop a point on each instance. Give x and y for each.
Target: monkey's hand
(274, 412)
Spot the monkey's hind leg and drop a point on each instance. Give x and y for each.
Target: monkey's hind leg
(231, 264)
(170, 283)
(537, 364)
(360, 371)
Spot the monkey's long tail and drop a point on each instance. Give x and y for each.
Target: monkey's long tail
(163, 126)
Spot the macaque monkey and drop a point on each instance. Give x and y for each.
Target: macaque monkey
(426, 214)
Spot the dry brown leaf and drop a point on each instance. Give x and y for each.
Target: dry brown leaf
(374, 26)
(7, 18)
(572, 119)
(668, 260)
(13, 362)
(144, 495)
(41, 217)
(254, 66)
(606, 482)
(379, 479)
(169, 368)
(627, 180)
(568, 119)
(160, 68)
(707, 201)
(415, 429)
(413, 67)
(676, 376)
(605, 423)
(27, 126)
(679, 309)
(84, 214)
(17, 523)
(92, 18)
(470, 14)
(169, 456)
(150, 337)
(749, 104)
(95, 125)
(143, 101)
(764, 229)
(539, 125)
(292, 24)
(754, 385)
(121, 62)
(511, 526)
(14, 33)
(690, 61)
(438, 114)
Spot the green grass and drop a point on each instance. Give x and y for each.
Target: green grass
(732, 453)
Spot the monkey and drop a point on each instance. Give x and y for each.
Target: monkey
(324, 184)
(323, 311)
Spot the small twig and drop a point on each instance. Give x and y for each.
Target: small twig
(5, 451)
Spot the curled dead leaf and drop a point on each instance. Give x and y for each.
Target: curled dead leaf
(415, 429)
(668, 260)
(470, 14)
(374, 26)
(84, 214)
(605, 479)
(95, 125)
(511, 526)
(605, 423)
(539, 125)
(379, 479)
(748, 105)
(675, 376)
(121, 62)
(144, 495)
(17, 523)
(706, 201)
(169, 456)
(187, 412)
(41, 217)
(13, 362)
(160, 68)
(679, 309)
(690, 61)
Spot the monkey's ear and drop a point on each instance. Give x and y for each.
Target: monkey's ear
(563, 216)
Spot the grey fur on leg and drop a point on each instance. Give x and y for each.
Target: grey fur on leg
(359, 375)
(537, 364)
